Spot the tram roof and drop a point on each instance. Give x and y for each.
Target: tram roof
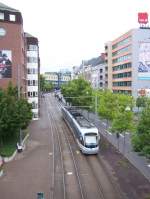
(82, 121)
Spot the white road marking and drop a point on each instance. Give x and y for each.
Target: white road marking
(148, 165)
(104, 123)
(77, 152)
(69, 173)
(122, 135)
(108, 132)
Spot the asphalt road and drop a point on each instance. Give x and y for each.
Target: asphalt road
(53, 164)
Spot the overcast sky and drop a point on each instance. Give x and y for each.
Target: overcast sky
(70, 31)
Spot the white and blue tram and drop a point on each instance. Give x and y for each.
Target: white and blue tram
(85, 133)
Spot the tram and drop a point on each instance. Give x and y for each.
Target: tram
(85, 133)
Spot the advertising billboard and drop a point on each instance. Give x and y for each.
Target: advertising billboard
(143, 17)
(144, 61)
(5, 64)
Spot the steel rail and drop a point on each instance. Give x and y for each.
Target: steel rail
(74, 161)
(61, 155)
(53, 148)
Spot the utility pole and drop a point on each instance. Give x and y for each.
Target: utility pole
(96, 104)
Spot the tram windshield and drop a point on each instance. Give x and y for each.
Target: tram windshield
(90, 141)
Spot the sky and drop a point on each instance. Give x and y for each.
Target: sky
(70, 31)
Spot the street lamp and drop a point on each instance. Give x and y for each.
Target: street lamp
(19, 146)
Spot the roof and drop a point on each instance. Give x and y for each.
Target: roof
(5, 7)
(28, 35)
(82, 121)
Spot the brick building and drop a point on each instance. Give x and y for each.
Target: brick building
(19, 56)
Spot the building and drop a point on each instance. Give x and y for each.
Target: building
(12, 48)
(128, 59)
(57, 78)
(19, 56)
(94, 71)
(99, 76)
(33, 71)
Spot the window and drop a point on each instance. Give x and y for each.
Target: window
(34, 105)
(33, 94)
(12, 17)
(32, 71)
(32, 59)
(121, 43)
(1, 16)
(123, 50)
(122, 66)
(101, 70)
(35, 115)
(122, 75)
(29, 94)
(32, 47)
(122, 58)
(125, 83)
(101, 84)
(101, 77)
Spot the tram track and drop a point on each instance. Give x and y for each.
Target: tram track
(101, 175)
(93, 178)
(98, 192)
(53, 153)
(58, 167)
(62, 150)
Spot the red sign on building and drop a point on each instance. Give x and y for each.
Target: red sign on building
(143, 17)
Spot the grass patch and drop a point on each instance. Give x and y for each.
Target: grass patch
(9, 146)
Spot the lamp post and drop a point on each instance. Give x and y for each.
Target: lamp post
(124, 141)
(18, 86)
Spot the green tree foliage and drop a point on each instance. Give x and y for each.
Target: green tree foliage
(42, 83)
(78, 92)
(107, 105)
(122, 122)
(14, 113)
(141, 139)
(113, 107)
(141, 101)
(48, 86)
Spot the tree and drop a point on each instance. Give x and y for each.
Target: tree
(42, 83)
(78, 92)
(122, 122)
(141, 101)
(107, 105)
(141, 139)
(48, 86)
(14, 113)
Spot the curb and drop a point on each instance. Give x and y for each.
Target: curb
(8, 159)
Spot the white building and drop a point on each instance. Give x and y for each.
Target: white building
(33, 73)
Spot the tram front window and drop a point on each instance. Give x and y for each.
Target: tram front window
(90, 141)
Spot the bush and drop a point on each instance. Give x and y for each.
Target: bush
(146, 151)
(137, 144)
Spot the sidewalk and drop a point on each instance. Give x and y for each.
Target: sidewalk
(140, 162)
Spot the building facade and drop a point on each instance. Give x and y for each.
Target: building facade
(33, 71)
(57, 78)
(129, 63)
(19, 57)
(12, 48)
(96, 73)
